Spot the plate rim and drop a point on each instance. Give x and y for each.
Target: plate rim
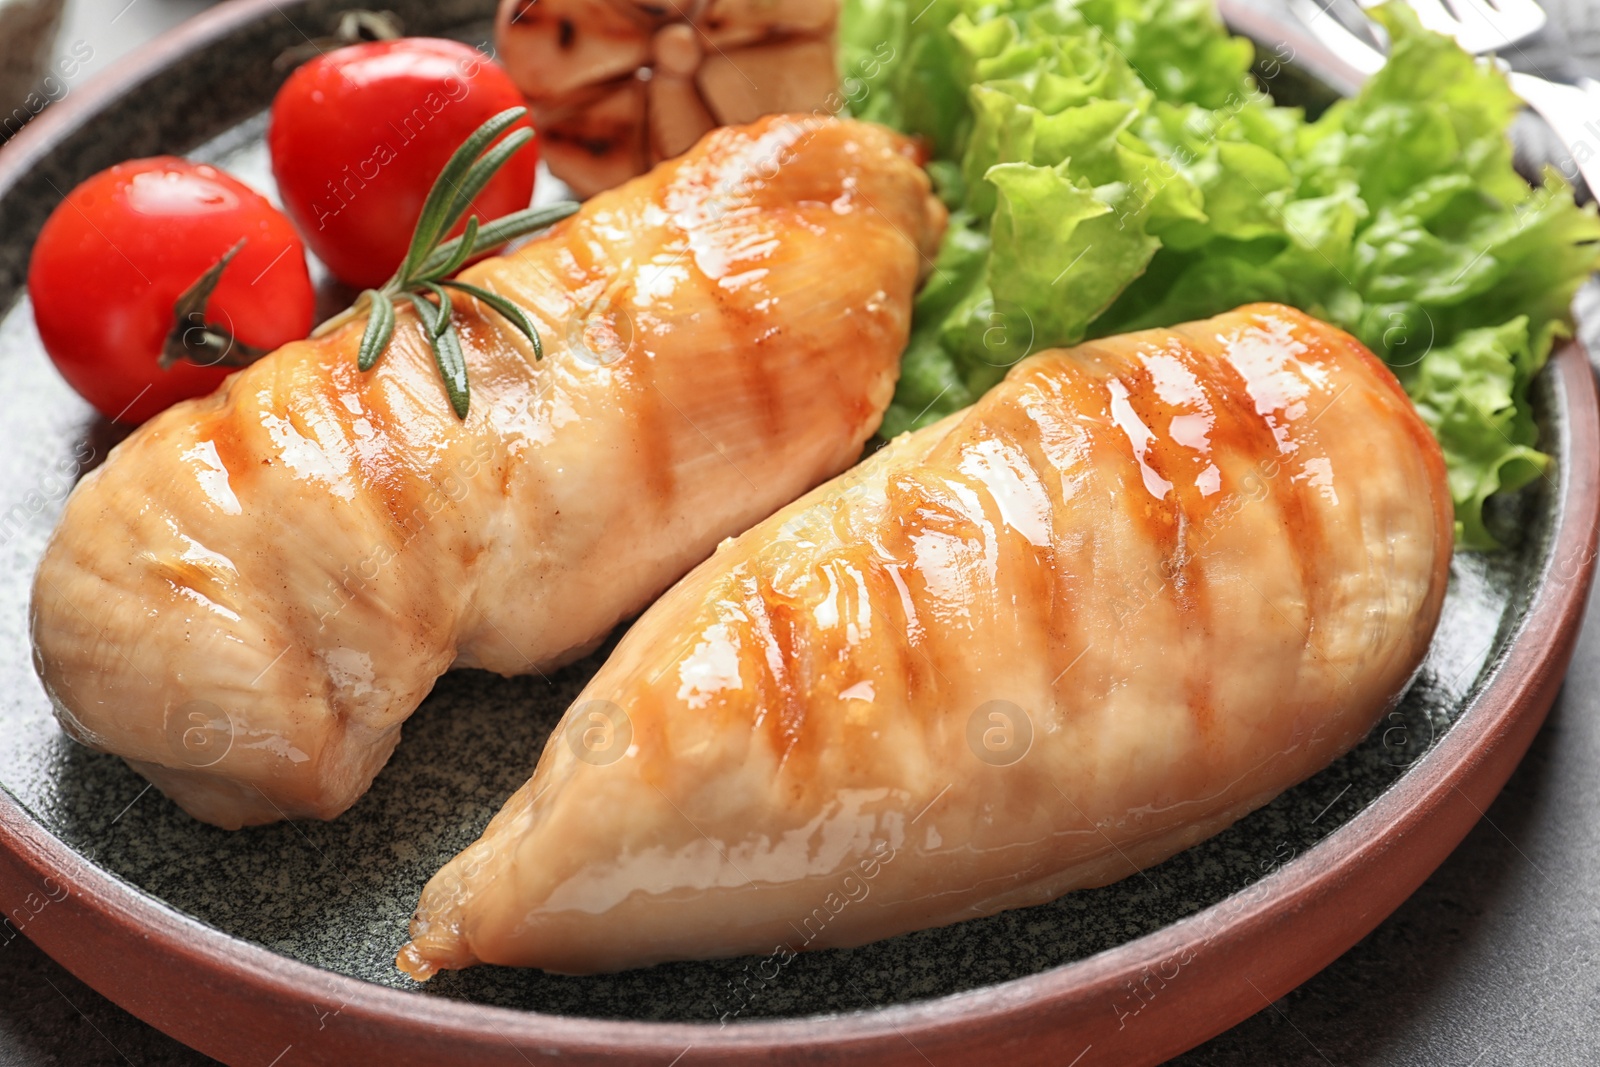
(254, 1000)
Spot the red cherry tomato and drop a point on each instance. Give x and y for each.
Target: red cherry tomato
(359, 135)
(116, 254)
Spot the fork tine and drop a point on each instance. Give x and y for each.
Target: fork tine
(1526, 13)
(1493, 25)
(1481, 27)
(1436, 17)
(1522, 10)
(1361, 52)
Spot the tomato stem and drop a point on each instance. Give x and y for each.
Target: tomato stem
(193, 339)
(354, 27)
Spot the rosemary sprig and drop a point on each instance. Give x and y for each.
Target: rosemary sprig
(431, 259)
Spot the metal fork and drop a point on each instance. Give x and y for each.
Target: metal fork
(1342, 26)
(1479, 26)
(1482, 26)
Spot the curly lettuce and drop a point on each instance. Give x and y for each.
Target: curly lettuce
(1113, 165)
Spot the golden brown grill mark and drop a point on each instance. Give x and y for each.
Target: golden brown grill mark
(779, 626)
(791, 720)
(763, 382)
(1163, 516)
(657, 417)
(386, 475)
(1049, 379)
(1281, 472)
(238, 456)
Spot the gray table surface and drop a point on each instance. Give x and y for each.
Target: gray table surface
(1495, 960)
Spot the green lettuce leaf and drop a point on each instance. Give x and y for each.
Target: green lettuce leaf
(1466, 393)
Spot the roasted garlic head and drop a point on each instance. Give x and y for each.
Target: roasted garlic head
(616, 86)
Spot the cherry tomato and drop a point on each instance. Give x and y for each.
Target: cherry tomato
(359, 135)
(116, 254)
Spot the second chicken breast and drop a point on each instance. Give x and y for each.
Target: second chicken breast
(1136, 591)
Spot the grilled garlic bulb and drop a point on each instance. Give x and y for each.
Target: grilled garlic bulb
(617, 86)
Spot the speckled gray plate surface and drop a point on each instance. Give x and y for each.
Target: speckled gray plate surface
(338, 895)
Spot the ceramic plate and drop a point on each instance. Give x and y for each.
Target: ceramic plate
(280, 940)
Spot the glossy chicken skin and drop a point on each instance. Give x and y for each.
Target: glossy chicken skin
(1136, 591)
(258, 588)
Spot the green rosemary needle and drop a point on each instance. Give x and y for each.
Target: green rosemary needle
(431, 259)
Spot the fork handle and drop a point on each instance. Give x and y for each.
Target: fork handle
(1273, 27)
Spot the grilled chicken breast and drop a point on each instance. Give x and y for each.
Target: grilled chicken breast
(258, 588)
(1135, 592)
